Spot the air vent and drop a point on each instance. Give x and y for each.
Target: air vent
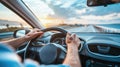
(104, 50)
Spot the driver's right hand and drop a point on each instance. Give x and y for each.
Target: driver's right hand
(72, 40)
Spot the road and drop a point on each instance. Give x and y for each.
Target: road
(90, 28)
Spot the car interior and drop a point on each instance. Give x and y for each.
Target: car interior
(95, 22)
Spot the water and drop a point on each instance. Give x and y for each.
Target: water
(116, 26)
(1, 27)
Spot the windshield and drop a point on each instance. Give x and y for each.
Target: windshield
(76, 16)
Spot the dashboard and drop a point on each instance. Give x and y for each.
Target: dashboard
(98, 48)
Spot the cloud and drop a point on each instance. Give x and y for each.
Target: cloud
(68, 3)
(112, 16)
(81, 11)
(77, 11)
(101, 10)
(39, 8)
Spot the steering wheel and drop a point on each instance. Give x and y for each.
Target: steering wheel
(50, 52)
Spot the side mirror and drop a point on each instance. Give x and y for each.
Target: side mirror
(91, 3)
(20, 33)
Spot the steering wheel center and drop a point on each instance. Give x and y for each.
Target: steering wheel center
(48, 54)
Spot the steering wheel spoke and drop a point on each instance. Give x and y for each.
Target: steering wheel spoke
(61, 47)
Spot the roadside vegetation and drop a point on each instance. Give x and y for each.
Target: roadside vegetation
(10, 29)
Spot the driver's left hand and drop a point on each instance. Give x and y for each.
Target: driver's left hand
(15, 43)
(33, 34)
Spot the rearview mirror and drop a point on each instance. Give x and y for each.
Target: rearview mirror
(20, 33)
(91, 3)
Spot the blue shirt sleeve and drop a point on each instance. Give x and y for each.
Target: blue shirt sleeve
(60, 65)
(14, 63)
(31, 63)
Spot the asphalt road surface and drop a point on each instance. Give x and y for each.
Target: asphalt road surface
(89, 28)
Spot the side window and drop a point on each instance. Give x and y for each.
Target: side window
(9, 22)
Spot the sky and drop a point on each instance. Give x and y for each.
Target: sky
(52, 12)
(9, 17)
(75, 11)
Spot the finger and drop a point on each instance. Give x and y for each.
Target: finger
(68, 34)
(76, 38)
(68, 38)
(29, 36)
(36, 30)
(73, 36)
(33, 35)
(37, 34)
(40, 34)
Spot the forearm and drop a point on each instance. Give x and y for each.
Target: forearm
(72, 57)
(15, 43)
